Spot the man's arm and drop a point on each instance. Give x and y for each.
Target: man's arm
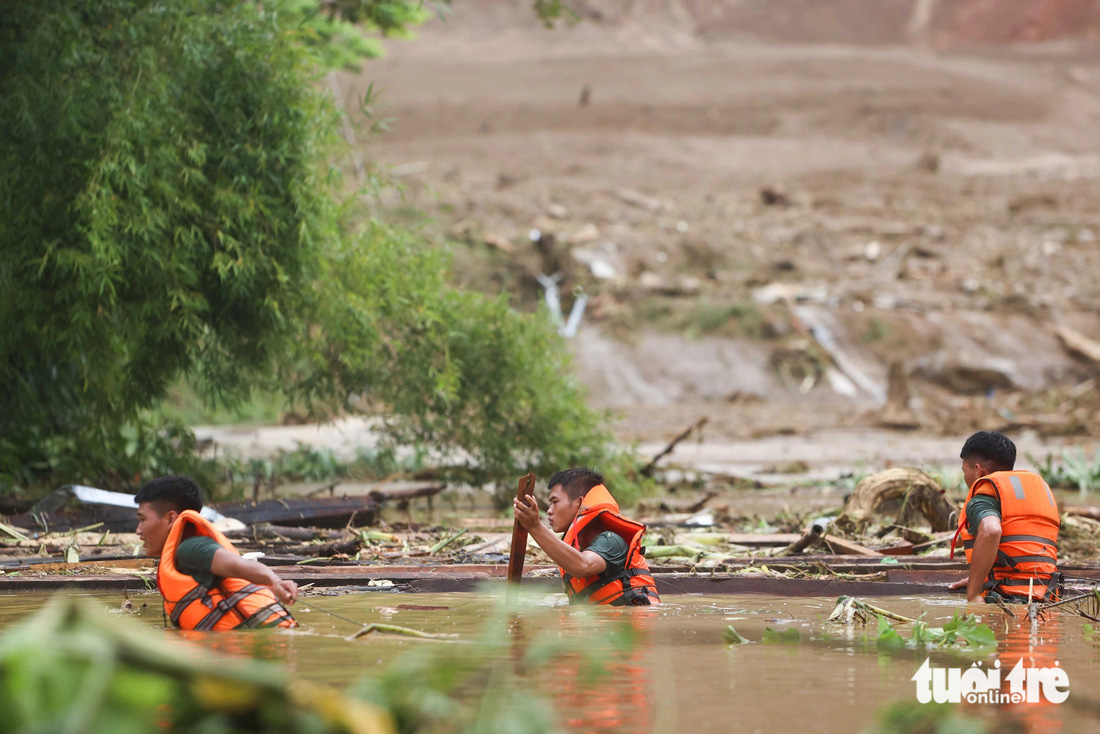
(978, 508)
(226, 564)
(986, 542)
(578, 564)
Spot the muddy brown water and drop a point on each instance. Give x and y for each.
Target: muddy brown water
(680, 675)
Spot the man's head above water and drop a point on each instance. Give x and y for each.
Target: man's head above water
(159, 504)
(984, 453)
(567, 489)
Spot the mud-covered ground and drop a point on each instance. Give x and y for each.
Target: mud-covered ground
(769, 207)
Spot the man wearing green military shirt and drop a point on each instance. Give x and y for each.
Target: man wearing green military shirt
(1009, 525)
(600, 556)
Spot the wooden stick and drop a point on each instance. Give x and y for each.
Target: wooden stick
(672, 445)
(813, 536)
(519, 538)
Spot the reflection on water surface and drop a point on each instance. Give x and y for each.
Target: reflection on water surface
(678, 675)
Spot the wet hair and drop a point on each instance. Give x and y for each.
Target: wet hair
(992, 448)
(576, 482)
(171, 493)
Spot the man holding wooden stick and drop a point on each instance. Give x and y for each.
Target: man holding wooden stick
(600, 557)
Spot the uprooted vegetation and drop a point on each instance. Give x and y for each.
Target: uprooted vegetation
(892, 519)
(960, 632)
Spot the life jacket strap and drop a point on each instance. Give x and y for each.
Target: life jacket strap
(198, 592)
(969, 544)
(270, 616)
(1053, 586)
(1013, 561)
(1029, 539)
(226, 605)
(955, 539)
(624, 577)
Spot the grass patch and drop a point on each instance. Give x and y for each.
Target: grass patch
(1074, 470)
(876, 331)
(702, 317)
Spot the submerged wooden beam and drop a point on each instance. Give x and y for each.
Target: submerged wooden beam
(923, 578)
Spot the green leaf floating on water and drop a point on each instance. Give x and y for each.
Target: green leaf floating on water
(888, 637)
(961, 632)
(969, 630)
(732, 636)
(789, 636)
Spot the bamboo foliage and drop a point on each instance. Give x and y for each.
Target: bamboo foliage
(169, 209)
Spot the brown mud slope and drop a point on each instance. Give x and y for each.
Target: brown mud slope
(789, 215)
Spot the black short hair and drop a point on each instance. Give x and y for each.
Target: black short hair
(576, 482)
(171, 493)
(995, 449)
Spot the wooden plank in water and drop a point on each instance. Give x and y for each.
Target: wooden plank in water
(668, 584)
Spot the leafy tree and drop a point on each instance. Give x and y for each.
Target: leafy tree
(169, 210)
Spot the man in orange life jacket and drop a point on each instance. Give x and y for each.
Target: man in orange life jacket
(1008, 527)
(600, 557)
(205, 582)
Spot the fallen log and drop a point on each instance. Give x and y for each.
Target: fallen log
(341, 547)
(919, 494)
(320, 512)
(405, 493)
(812, 537)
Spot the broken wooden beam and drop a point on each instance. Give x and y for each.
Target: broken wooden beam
(319, 512)
(383, 494)
(848, 547)
(812, 537)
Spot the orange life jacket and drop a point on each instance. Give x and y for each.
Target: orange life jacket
(231, 604)
(1028, 553)
(634, 586)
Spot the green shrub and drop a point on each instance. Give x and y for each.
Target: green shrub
(170, 213)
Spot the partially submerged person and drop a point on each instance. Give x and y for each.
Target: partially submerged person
(205, 582)
(1008, 527)
(600, 557)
